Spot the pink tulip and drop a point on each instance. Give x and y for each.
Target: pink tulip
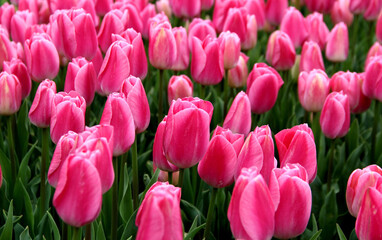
(230, 46)
(41, 57)
(37, 28)
(337, 46)
(102, 7)
(8, 51)
(61, 4)
(221, 10)
(373, 10)
(217, 167)
(378, 33)
(341, 12)
(335, 115)
(200, 29)
(186, 9)
(156, 20)
(146, 14)
(6, 13)
(115, 67)
(237, 76)
(159, 213)
(10, 94)
(179, 87)
(136, 97)
(162, 46)
(164, 6)
(251, 210)
(280, 51)
(262, 87)
(41, 109)
(117, 113)
(359, 181)
(257, 8)
(187, 131)
(18, 68)
(183, 53)
(207, 64)
(100, 131)
(275, 11)
(358, 6)
(296, 145)
(206, 4)
(313, 88)
(374, 51)
(19, 23)
(311, 57)
(317, 29)
(78, 196)
(322, 6)
(97, 62)
(132, 10)
(238, 118)
(371, 85)
(293, 24)
(81, 77)
(68, 114)
(351, 84)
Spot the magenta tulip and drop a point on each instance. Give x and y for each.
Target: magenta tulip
(371, 85)
(183, 53)
(337, 46)
(280, 51)
(374, 51)
(18, 68)
(146, 14)
(8, 50)
(318, 31)
(6, 13)
(293, 24)
(311, 57)
(41, 110)
(275, 11)
(323, 6)
(179, 87)
(358, 6)
(257, 8)
(373, 10)
(200, 29)
(20, 21)
(238, 118)
(10, 94)
(186, 9)
(341, 13)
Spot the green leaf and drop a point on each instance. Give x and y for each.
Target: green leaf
(22, 130)
(314, 223)
(5, 166)
(126, 205)
(328, 215)
(100, 235)
(130, 229)
(24, 171)
(353, 235)
(53, 227)
(153, 180)
(340, 233)
(25, 234)
(316, 235)
(28, 205)
(194, 229)
(352, 137)
(6, 234)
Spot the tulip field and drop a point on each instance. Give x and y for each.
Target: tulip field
(190, 119)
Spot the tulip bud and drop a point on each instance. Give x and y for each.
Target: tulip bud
(262, 87)
(341, 12)
(257, 8)
(374, 51)
(335, 115)
(221, 10)
(183, 53)
(18, 68)
(8, 50)
(102, 7)
(186, 9)
(323, 6)
(337, 46)
(41, 109)
(311, 57)
(373, 10)
(317, 29)
(162, 46)
(10, 94)
(238, 118)
(200, 29)
(206, 4)
(358, 6)
(293, 24)
(371, 87)
(179, 87)
(146, 14)
(6, 13)
(237, 76)
(136, 97)
(313, 88)
(230, 46)
(20, 22)
(221, 156)
(275, 11)
(296, 145)
(280, 51)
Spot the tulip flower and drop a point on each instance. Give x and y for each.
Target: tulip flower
(359, 181)
(358, 6)
(262, 87)
(187, 131)
(154, 221)
(237, 76)
(185, 9)
(337, 46)
(238, 118)
(8, 51)
(100, 131)
(41, 57)
(293, 24)
(275, 10)
(179, 87)
(68, 114)
(311, 57)
(257, 8)
(296, 145)
(374, 51)
(207, 63)
(206, 4)
(10, 94)
(6, 13)
(102, 7)
(18, 68)
(280, 51)
(183, 53)
(335, 115)
(373, 9)
(251, 210)
(136, 97)
(146, 14)
(371, 87)
(164, 6)
(41, 109)
(322, 6)
(351, 84)
(220, 12)
(341, 13)
(317, 29)
(221, 156)
(20, 21)
(313, 88)
(200, 29)
(117, 113)
(230, 46)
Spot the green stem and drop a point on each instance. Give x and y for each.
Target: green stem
(114, 219)
(180, 181)
(374, 131)
(226, 92)
(11, 144)
(135, 174)
(211, 210)
(76, 233)
(169, 177)
(202, 91)
(160, 100)
(88, 232)
(331, 158)
(64, 231)
(44, 159)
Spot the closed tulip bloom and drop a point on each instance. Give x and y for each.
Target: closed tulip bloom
(262, 87)
(374, 51)
(179, 87)
(275, 11)
(10, 94)
(18, 68)
(159, 213)
(146, 14)
(341, 13)
(207, 64)
(337, 46)
(81, 77)
(102, 7)
(293, 24)
(206, 4)
(311, 57)
(251, 210)
(41, 110)
(358, 6)
(317, 29)
(117, 113)
(237, 76)
(162, 46)
(359, 181)
(335, 115)
(183, 53)
(60, 4)
(257, 8)
(280, 51)
(100, 131)
(351, 84)
(238, 118)
(78, 196)
(322, 6)
(186, 9)
(6, 13)
(373, 10)
(41, 57)
(220, 12)
(371, 85)
(230, 46)
(20, 22)
(187, 131)
(115, 67)
(313, 88)
(8, 50)
(200, 29)
(296, 145)
(136, 97)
